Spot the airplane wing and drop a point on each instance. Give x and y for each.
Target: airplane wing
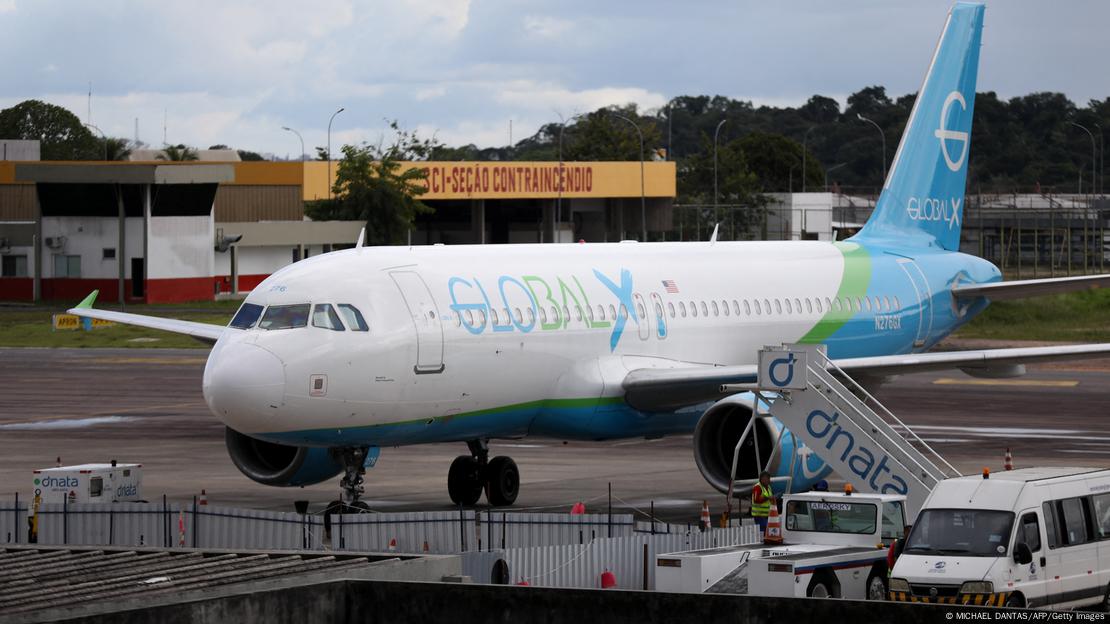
(1020, 289)
(204, 332)
(665, 389)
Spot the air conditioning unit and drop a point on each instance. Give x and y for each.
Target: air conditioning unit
(55, 242)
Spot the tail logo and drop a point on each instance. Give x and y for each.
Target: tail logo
(945, 134)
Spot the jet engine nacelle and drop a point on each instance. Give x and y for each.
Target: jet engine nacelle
(721, 427)
(280, 465)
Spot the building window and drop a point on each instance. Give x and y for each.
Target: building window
(109, 253)
(67, 266)
(14, 266)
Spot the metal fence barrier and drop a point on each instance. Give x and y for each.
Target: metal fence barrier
(13, 522)
(631, 559)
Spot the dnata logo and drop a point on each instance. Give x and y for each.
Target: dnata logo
(860, 459)
(127, 490)
(945, 135)
(773, 370)
(939, 565)
(58, 482)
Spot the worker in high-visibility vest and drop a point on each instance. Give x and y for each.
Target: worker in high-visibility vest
(762, 499)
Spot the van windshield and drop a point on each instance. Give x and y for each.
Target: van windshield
(960, 532)
(831, 517)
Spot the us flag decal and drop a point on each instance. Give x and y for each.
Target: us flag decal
(670, 286)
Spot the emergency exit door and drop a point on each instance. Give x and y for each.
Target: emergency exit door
(425, 318)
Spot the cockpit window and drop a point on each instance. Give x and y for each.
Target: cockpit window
(247, 316)
(285, 316)
(353, 317)
(323, 315)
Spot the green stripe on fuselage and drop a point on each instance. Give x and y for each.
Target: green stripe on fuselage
(854, 283)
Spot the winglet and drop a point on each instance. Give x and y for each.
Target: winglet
(361, 238)
(88, 301)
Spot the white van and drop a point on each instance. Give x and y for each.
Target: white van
(1036, 537)
(89, 483)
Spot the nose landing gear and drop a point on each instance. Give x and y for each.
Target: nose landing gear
(471, 474)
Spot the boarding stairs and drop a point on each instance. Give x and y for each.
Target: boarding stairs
(838, 420)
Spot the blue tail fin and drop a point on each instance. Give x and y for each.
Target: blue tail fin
(923, 196)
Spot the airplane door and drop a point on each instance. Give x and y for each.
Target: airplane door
(660, 316)
(642, 315)
(924, 296)
(426, 320)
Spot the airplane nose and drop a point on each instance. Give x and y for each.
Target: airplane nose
(243, 385)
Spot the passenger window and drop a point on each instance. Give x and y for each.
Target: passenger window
(836, 304)
(1075, 523)
(778, 307)
(493, 317)
(716, 309)
(600, 312)
(682, 308)
(577, 313)
(531, 316)
(555, 318)
(1050, 529)
(1101, 504)
(247, 316)
(520, 317)
(285, 316)
(640, 310)
(798, 305)
(867, 303)
(789, 309)
(566, 314)
(353, 317)
(886, 303)
(670, 308)
(470, 318)
(612, 312)
(747, 307)
(817, 305)
(897, 304)
(543, 315)
(693, 309)
(590, 314)
(704, 309)
(1029, 532)
(767, 306)
(736, 307)
(324, 317)
(658, 311)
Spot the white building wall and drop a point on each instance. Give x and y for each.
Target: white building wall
(181, 247)
(88, 237)
(258, 260)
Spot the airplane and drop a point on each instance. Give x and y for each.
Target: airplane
(335, 356)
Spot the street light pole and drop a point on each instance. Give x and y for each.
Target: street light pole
(1094, 152)
(1101, 160)
(287, 128)
(805, 139)
(881, 134)
(832, 168)
(643, 201)
(341, 109)
(103, 136)
(562, 179)
(716, 212)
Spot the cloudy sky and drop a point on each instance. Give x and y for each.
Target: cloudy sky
(234, 72)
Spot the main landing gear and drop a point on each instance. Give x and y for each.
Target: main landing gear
(470, 474)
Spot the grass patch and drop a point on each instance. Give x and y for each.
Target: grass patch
(31, 326)
(1074, 317)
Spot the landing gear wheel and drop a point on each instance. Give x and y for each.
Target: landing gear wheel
(876, 587)
(464, 480)
(502, 481)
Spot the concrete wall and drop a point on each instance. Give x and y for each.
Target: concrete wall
(356, 601)
(88, 237)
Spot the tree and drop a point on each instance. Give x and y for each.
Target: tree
(371, 186)
(249, 156)
(602, 136)
(737, 186)
(60, 133)
(776, 162)
(116, 148)
(177, 153)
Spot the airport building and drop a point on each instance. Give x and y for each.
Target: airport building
(155, 231)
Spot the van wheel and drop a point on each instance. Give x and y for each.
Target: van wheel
(1017, 601)
(876, 587)
(1105, 606)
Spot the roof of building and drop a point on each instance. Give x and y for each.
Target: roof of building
(133, 173)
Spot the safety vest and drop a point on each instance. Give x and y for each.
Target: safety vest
(762, 510)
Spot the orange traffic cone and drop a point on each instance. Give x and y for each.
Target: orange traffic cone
(392, 544)
(608, 580)
(1008, 462)
(203, 500)
(578, 509)
(774, 527)
(706, 522)
(426, 549)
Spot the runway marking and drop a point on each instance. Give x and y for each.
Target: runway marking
(126, 410)
(1039, 383)
(67, 423)
(147, 360)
